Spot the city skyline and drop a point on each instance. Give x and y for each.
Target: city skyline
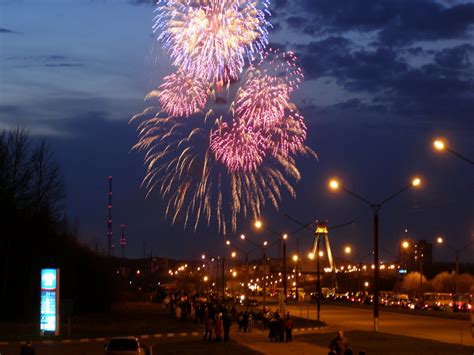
(382, 81)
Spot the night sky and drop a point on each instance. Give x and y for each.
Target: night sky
(382, 79)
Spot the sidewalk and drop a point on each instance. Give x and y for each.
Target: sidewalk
(258, 340)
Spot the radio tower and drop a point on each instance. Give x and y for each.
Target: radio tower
(123, 241)
(110, 245)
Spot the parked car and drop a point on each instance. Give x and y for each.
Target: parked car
(125, 346)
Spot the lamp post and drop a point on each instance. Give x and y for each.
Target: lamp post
(284, 238)
(263, 248)
(441, 145)
(335, 185)
(440, 241)
(246, 253)
(295, 259)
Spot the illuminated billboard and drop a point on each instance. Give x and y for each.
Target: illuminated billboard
(49, 309)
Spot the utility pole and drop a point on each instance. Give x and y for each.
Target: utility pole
(123, 241)
(110, 245)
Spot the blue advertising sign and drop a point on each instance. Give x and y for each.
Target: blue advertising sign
(49, 310)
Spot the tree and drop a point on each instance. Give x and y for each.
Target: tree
(411, 283)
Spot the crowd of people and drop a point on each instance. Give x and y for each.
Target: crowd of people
(217, 318)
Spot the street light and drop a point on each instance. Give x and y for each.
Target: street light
(295, 259)
(284, 238)
(263, 247)
(457, 251)
(335, 185)
(441, 145)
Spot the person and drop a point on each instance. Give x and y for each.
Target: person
(218, 327)
(27, 349)
(245, 322)
(240, 321)
(339, 344)
(289, 325)
(207, 327)
(273, 326)
(250, 321)
(281, 330)
(226, 322)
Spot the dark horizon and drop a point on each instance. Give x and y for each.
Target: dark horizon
(383, 79)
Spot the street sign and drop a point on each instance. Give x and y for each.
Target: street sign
(49, 308)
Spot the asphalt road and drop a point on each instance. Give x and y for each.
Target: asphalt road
(347, 318)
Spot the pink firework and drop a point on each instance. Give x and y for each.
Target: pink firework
(262, 100)
(179, 95)
(283, 65)
(240, 147)
(288, 135)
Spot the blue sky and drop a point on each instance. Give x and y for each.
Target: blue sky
(383, 78)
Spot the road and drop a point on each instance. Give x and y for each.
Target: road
(348, 318)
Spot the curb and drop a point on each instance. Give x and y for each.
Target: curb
(143, 336)
(102, 339)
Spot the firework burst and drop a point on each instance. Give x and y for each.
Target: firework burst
(181, 96)
(240, 147)
(212, 39)
(197, 186)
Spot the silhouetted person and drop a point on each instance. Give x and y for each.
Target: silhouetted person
(27, 349)
(289, 325)
(226, 322)
(339, 344)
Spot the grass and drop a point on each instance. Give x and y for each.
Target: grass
(123, 319)
(388, 344)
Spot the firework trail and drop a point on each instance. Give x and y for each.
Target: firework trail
(212, 39)
(224, 162)
(196, 186)
(181, 96)
(236, 153)
(239, 147)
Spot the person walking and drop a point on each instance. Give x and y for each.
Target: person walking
(340, 344)
(226, 323)
(289, 325)
(250, 320)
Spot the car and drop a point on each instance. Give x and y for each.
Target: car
(125, 346)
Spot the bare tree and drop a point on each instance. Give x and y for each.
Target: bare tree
(47, 186)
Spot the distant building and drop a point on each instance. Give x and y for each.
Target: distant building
(410, 258)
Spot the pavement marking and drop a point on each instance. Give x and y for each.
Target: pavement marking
(3, 342)
(183, 334)
(99, 339)
(170, 335)
(84, 340)
(144, 336)
(157, 335)
(22, 342)
(195, 334)
(47, 341)
(66, 341)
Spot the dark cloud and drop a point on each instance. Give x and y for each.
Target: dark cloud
(6, 31)
(65, 65)
(296, 22)
(455, 58)
(353, 14)
(439, 89)
(427, 20)
(399, 22)
(142, 2)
